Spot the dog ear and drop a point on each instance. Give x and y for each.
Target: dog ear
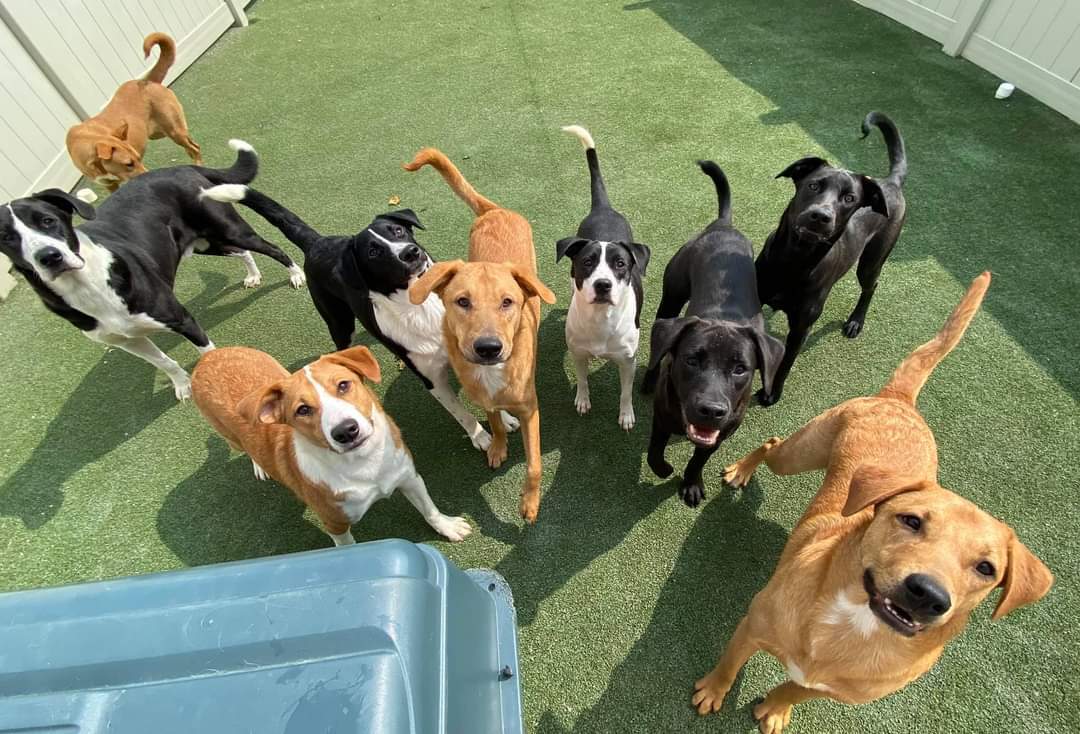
(872, 485)
(640, 253)
(264, 406)
(434, 280)
(359, 359)
(531, 285)
(104, 150)
(121, 130)
(770, 351)
(404, 216)
(67, 202)
(665, 336)
(802, 168)
(1026, 580)
(873, 197)
(569, 247)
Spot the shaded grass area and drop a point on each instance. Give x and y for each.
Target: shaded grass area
(624, 595)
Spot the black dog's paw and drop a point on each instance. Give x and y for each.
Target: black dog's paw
(661, 468)
(852, 328)
(648, 382)
(692, 494)
(765, 398)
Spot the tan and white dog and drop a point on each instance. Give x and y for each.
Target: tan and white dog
(319, 431)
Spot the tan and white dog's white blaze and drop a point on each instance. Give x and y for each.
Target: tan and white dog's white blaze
(319, 431)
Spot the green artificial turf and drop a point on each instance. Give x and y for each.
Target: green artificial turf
(624, 595)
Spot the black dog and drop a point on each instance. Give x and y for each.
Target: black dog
(607, 266)
(835, 218)
(113, 277)
(366, 276)
(702, 364)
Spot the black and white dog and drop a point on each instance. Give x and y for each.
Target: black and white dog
(112, 276)
(835, 218)
(366, 276)
(607, 267)
(701, 365)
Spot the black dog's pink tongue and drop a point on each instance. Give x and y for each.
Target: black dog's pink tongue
(705, 434)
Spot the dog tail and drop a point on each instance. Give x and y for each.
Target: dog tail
(243, 171)
(723, 190)
(437, 160)
(596, 181)
(895, 144)
(167, 46)
(912, 373)
(293, 227)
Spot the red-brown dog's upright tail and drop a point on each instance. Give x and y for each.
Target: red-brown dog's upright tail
(167, 46)
(437, 160)
(912, 373)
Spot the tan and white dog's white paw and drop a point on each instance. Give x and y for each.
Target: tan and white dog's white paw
(454, 529)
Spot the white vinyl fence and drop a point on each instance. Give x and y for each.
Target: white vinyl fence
(1035, 44)
(61, 61)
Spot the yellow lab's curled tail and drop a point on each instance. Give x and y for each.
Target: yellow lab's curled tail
(913, 372)
(167, 47)
(437, 160)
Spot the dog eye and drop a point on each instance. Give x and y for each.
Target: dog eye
(986, 569)
(47, 221)
(507, 302)
(463, 302)
(590, 261)
(912, 521)
(620, 264)
(849, 198)
(691, 360)
(343, 387)
(373, 251)
(739, 369)
(813, 186)
(398, 231)
(304, 410)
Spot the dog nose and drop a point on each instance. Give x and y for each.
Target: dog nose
(49, 257)
(926, 595)
(410, 254)
(487, 347)
(602, 286)
(346, 431)
(820, 216)
(712, 411)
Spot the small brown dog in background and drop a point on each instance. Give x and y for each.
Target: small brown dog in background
(109, 146)
(885, 566)
(492, 317)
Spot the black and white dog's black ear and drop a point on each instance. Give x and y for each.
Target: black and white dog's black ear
(873, 197)
(67, 202)
(569, 246)
(666, 334)
(802, 168)
(770, 352)
(403, 216)
(640, 253)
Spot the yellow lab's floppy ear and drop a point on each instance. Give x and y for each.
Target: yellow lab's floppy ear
(265, 405)
(358, 359)
(872, 485)
(121, 130)
(104, 150)
(1026, 580)
(531, 285)
(435, 279)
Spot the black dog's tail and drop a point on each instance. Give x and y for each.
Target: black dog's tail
(895, 143)
(243, 171)
(292, 226)
(596, 181)
(723, 191)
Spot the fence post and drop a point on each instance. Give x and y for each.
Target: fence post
(971, 12)
(239, 16)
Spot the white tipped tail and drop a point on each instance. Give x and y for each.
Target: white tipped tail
(238, 144)
(581, 134)
(86, 195)
(227, 193)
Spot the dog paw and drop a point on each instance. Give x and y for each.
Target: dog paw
(766, 399)
(582, 403)
(530, 507)
(692, 494)
(626, 419)
(253, 281)
(454, 529)
(296, 277)
(260, 473)
(771, 718)
(709, 694)
(661, 468)
(510, 423)
(852, 328)
(182, 388)
(496, 454)
(481, 440)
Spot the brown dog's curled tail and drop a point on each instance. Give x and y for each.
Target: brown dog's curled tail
(167, 47)
(912, 373)
(437, 160)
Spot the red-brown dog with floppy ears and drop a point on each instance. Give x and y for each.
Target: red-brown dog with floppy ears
(492, 316)
(886, 565)
(320, 431)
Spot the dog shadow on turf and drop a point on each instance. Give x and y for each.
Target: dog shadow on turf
(115, 401)
(727, 558)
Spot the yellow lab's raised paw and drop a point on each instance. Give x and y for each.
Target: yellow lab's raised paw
(739, 473)
(709, 694)
(772, 718)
